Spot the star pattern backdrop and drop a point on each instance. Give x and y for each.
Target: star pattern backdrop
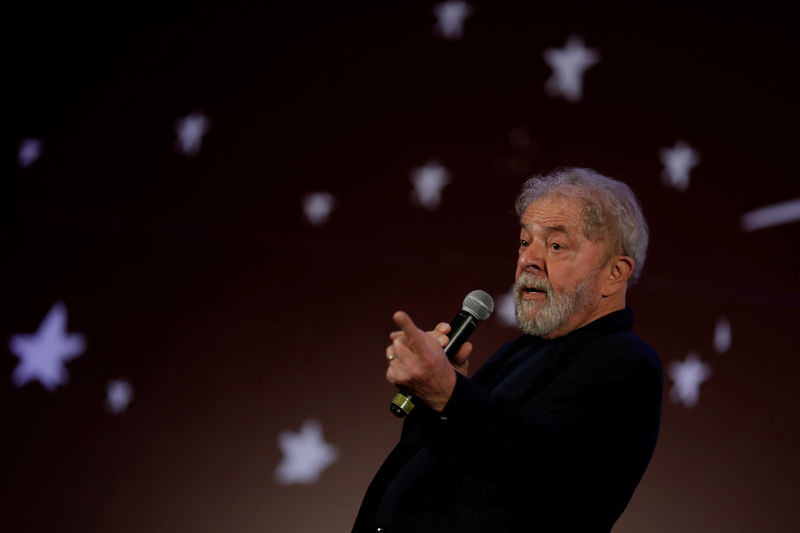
(210, 211)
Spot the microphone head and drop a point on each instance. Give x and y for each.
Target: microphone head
(479, 304)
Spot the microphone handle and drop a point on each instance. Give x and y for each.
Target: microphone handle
(461, 327)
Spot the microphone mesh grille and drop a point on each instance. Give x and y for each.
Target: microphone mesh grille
(479, 304)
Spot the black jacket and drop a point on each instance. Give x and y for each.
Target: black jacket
(560, 448)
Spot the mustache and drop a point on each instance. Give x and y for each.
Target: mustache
(530, 281)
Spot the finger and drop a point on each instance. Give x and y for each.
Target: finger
(443, 339)
(395, 334)
(461, 359)
(390, 353)
(439, 336)
(440, 332)
(414, 334)
(443, 327)
(463, 353)
(400, 346)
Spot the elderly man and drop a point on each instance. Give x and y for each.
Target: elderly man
(555, 431)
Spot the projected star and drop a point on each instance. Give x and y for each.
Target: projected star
(772, 215)
(305, 454)
(569, 64)
(30, 150)
(43, 354)
(687, 375)
(450, 17)
(506, 313)
(317, 207)
(119, 394)
(678, 162)
(190, 130)
(722, 335)
(429, 181)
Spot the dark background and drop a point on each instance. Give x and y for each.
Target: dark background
(200, 281)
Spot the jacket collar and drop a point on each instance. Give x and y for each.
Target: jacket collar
(605, 325)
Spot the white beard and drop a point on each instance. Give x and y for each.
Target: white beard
(542, 318)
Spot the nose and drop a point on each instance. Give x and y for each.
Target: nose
(531, 257)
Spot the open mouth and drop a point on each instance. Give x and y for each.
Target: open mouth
(532, 293)
(533, 290)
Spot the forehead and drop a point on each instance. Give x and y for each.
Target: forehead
(554, 212)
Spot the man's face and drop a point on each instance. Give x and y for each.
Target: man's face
(559, 271)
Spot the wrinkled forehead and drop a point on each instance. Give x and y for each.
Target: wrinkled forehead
(555, 211)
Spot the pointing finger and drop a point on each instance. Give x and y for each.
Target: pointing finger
(409, 328)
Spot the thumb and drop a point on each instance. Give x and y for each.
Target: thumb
(463, 353)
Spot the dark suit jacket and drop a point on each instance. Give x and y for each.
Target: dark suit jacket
(560, 448)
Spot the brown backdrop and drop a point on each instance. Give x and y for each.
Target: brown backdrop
(200, 282)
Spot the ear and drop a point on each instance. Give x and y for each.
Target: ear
(621, 268)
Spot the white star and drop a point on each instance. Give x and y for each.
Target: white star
(428, 183)
(29, 151)
(678, 161)
(119, 394)
(506, 311)
(190, 130)
(317, 207)
(569, 65)
(722, 335)
(305, 454)
(687, 376)
(450, 18)
(42, 354)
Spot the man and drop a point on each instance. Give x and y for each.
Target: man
(555, 431)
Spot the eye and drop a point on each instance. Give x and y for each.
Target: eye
(523, 243)
(555, 246)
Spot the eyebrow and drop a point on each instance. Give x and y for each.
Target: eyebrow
(551, 229)
(559, 229)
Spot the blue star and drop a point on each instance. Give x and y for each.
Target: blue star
(569, 65)
(687, 376)
(678, 163)
(305, 454)
(190, 130)
(317, 207)
(450, 18)
(43, 354)
(429, 180)
(119, 394)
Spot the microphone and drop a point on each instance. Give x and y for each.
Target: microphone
(477, 307)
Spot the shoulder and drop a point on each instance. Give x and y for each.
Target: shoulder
(624, 355)
(624, 345)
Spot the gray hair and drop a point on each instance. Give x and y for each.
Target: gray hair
(610, 210)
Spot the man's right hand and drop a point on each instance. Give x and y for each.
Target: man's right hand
(418, 364)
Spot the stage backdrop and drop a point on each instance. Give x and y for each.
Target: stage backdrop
(211, 210)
